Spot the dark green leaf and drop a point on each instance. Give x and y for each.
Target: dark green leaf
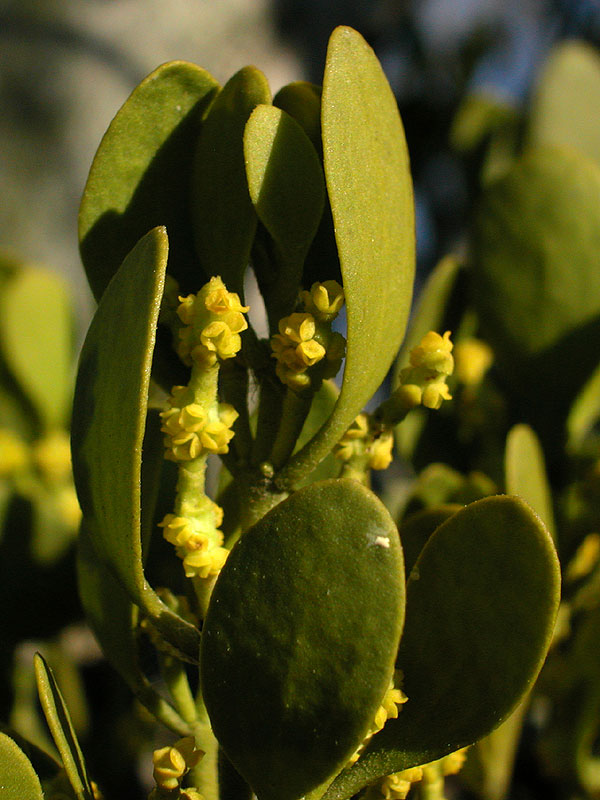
(416, 529)
(63, 733)
(224, 218)
(370, 191)
(140, 177)
(300, 637)
(481, 604)
(109, 418)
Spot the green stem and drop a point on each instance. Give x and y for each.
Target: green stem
(233, 383)
(293, 416)
(269, 416)
(161, 710)
(176, 680)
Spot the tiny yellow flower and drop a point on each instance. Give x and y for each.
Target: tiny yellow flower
(215, 437)
(424, 381)
(172, 763)
(218, 338)
(473, 359)
(380, 451)
(219, 301)
(176, 530)
(297, 327)
(204, 563)
(434, 352)
(324, 300)
(185, 309)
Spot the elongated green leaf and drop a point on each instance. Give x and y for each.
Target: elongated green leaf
(283, 620)
(223, 215)
(481, 604)
(109, 417)
(63, 733)
(370, 191)
(287, 189)
(36, 337)
(584, 413)
(566, 103)
(140, 175)
(18, 780)
(526, 473)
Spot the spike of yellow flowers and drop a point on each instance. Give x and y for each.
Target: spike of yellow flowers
(390, 706)
(365, 440)
(213, 320)
(172, 763)
(190, 432)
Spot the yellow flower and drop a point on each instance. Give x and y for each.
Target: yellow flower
(297, 327)
(434, 352)
(473, 359)
(177, 530)
(324, 300)
(204, 563)
(215, 437)
(219, 300)
(172, 763)
(424, 381)
(380, 451)
(52, 456)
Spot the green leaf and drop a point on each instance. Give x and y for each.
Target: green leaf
(526, 473)
(18, 780)
(481, 604)
(584, 413)
(283, 621)
(370, 191)
(566, 103)
(302, 101)
(536, 278)
(140, 177)
(416, 529)
(223, 215)
(109, 418)
(287, 189)
(37, 340)
(63, 733)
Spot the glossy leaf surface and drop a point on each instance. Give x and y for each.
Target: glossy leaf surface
(18, 780)
(223, 215)
(109, 418)
(370, 190)
(481, 604)
(36, 337)
(140, 177)
(61, 727)
(283, 619)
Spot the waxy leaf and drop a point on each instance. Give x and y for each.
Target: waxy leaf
(109, 417)
(526, 473)
(18, 780)
(370, 190)
(287, 189)
(36, 338)
(299, 643)
(223, 215)
(480, 609)
(140, 177)
(302, 101)
(61, 727)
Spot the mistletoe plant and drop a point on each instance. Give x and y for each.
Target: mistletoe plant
(300, 656)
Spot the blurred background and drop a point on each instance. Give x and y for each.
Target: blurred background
(66, 66)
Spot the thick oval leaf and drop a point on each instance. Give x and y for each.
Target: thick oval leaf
(566, 103)
(36, 337)
(299, 640)
(18, 780)
(526, 473)
(370, 191)
(140, 176)
(481, 604)
(61, 727)
(223, 215)
(287, 190)
(536, 276)
(416, 529)
(109, 418)
(302, 101)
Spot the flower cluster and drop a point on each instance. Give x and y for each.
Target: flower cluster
(389, 709)
(190, 431)
(171, 764)
(306, 339)
(362, 440)
(212, 322)
(197, 540)
(398, 785)
(424, 381)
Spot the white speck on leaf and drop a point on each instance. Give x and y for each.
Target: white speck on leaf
(382, 541)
